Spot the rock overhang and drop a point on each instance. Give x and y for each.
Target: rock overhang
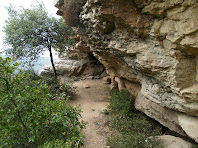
(149, 43)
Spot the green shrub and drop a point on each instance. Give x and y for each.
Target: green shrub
(29, 117)
(194, 146)
(106, 112)
(132, 127)
(120, 103)
(32, 74)
(59, 91)
(69, 143)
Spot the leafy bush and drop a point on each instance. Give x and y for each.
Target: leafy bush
(69, 143)
(194, 146)
(29, 117)
(132, 127)
(58, 91)
(32, 74)
(120, 103)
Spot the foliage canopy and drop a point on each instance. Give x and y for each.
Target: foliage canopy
(29, 32)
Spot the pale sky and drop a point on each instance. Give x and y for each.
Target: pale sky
(49, 4)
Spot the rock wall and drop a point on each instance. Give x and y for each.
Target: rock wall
(149, 47)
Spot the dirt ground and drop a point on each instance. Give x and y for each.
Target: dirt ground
(93, 97)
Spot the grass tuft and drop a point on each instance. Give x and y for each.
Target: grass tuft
(130, 127)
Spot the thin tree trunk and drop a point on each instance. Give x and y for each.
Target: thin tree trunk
(52, 62)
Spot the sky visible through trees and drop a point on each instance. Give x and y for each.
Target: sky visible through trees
(49, 4)
(51, 9)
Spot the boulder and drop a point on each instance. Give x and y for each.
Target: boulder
(169, 141)
(68, 67)
(74, 67)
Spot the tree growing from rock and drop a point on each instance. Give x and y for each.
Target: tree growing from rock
(29, 32)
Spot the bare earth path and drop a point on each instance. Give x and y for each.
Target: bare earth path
(93, 97)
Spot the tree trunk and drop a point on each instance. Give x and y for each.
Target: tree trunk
(52, 62)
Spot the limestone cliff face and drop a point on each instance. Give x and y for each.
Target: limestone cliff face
(149, 47)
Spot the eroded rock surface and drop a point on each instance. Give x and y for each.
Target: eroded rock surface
(149, 47)
(169, 141)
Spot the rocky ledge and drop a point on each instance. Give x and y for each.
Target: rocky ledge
(148, 47)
